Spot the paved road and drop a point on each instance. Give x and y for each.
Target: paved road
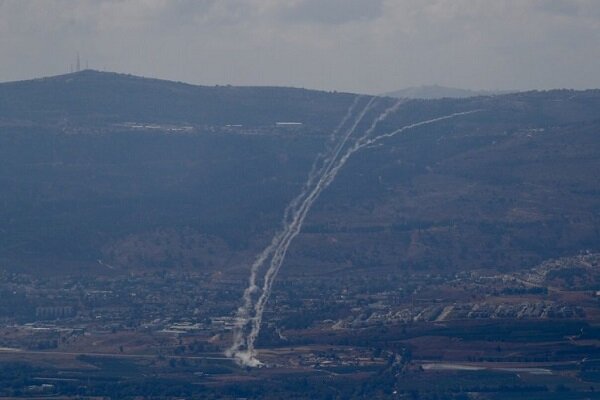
(4, 350)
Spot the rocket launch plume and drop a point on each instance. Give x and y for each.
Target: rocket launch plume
(323, 172)
(243, 312)
(246, 314)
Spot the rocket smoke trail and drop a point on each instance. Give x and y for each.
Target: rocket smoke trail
(323, 172)
(243, 313)
(322, 163)
(293, 229)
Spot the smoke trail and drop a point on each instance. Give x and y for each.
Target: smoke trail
(326, 179)
(323, 157)
(243, 317)
(294, 228)
(365, 141)
(284, 238)
(243, 312)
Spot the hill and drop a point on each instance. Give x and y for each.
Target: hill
(143, 173)
(439, 92)
(92, 97)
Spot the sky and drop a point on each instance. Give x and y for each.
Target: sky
(367, 46)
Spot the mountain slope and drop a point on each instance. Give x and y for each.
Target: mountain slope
(504, 188)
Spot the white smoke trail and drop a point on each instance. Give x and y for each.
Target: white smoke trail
(326, 179)
(415, 125)
(243, 312)
(321, 158)
(289, 233)
(294, 228)
(365, 141)
(283, 240)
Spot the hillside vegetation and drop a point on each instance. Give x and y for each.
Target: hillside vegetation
(145, 173)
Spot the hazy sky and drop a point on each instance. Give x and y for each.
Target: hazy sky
(352, 45)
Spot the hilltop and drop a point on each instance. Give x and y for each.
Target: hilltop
(440, 92)
(92, 97)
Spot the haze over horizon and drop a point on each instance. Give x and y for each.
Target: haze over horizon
(372, 46)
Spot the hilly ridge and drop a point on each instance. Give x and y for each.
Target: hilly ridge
(439, 92)
(505, 188)
(100, 97)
